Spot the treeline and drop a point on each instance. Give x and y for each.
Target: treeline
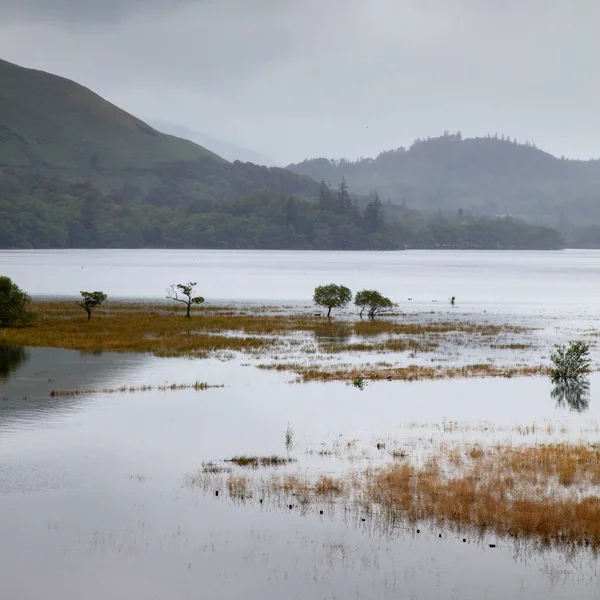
(491, 175)
(40, 211)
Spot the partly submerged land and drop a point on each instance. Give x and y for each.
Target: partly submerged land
(545, 492)
(540, 490)
(397, 346)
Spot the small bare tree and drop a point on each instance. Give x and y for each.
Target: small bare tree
(183, 292)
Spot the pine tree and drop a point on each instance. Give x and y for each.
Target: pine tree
(373, 215)
(343, 196)
(325, 196)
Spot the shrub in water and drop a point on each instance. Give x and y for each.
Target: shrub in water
(570, 362)
(360, 382)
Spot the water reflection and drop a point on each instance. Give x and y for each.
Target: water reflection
(338, 335)
(11, 358)
(572, 393)
(98, 490)
(28, 395)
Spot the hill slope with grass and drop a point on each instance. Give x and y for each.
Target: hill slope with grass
(49, 122)
(78, 172)
(227, 150)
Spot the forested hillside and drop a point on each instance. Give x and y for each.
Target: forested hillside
(481, 176)
(40, 211)
(78, 172)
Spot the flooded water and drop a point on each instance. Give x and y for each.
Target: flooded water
(92, 497)
(513, 282)
(92, 502)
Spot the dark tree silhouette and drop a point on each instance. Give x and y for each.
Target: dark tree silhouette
(91, 301)
(183, 292)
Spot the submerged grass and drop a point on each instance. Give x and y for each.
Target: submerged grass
(384, 346)
(301, 486)
(255, 462)
(197, 386)
(163, 330)
(238, 486)
(139, 328)
(316, 372)
(214, 468)
(545, 492)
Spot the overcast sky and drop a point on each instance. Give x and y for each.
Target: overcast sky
(303, 78)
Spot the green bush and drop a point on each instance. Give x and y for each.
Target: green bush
(13, 305)
(359, 382)
(570, 362)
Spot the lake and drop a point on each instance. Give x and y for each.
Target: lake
(494, 280)
(93, 502)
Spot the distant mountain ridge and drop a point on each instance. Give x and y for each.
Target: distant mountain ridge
(226, 150)
(487, 176)
(78, 172)
(50, 122)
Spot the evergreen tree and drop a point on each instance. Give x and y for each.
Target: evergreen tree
(325, 196)
(343, 197)
(373, 215)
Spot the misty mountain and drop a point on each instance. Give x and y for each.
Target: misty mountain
(481, 176)
(78, 172)
(48, 122)
(228, 151)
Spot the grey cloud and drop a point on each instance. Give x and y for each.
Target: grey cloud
(90, 11)
(301, 78)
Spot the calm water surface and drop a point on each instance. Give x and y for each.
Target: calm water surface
(502, 281)
(92, 503)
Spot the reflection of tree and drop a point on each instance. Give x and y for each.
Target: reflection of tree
(334, 335)
(11, 358)
(574, 393)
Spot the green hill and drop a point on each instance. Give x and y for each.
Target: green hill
(78, 172)
(50, 122)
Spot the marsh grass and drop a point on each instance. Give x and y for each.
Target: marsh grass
(214, 468)
(289, 438)
(404, 328)
(514, 346)
(398, 454)
(163, 330)
(173, 387)
(318, 372)
(295, 485)
(238, 486)
(382, 347)
(139, 328)
(254, 462)
(546, 492)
